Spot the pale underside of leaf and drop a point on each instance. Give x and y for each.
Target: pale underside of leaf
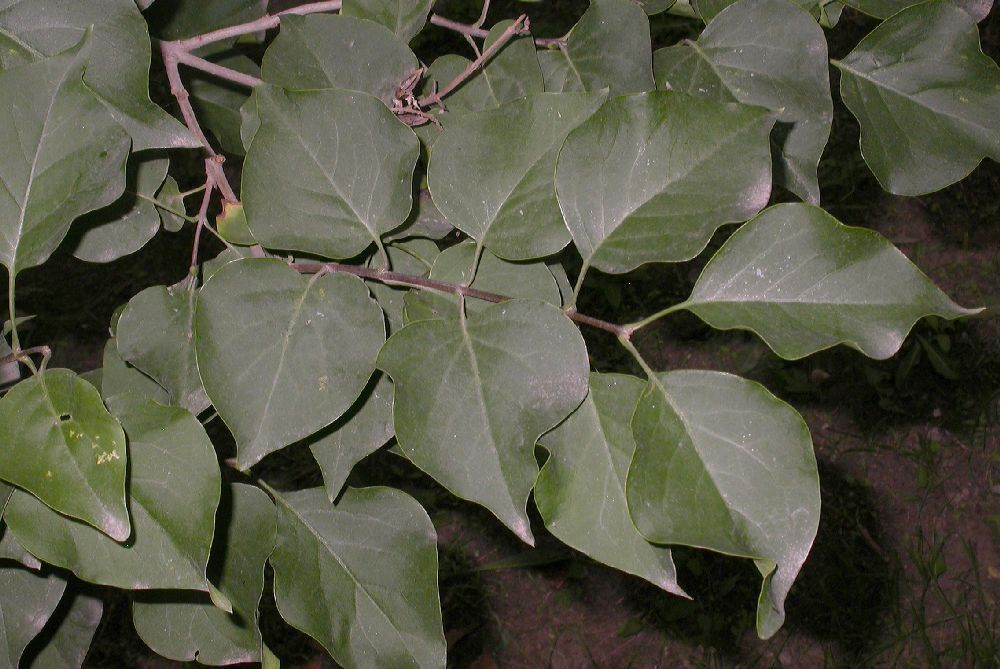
(804, 282)
(926, 97)
(722, 464)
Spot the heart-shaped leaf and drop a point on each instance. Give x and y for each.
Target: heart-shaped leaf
(722, 464)
(191, 628)
(649, 178)
(156, 334)
(492, 172)
(608, 48)
(174, 486)
(770, 54)
(502, 377)
(360, 576)
(283, 355)
(59, 172)
(405, 18)
(327, 172)
(62, 445)
(322, 51)
(804, 281)
(926, 97)
(580, 491)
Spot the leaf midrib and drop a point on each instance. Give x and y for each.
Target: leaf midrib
(347, 570)
(34, 165)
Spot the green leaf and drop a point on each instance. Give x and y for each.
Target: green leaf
(926, 97)
(405, 18)
(118, 377)
(27, 600)
(709, 9)
(231, 224)
(414, 257)
(502, 377)
(283, 355)
(360, 576)
(360, 432)
(191, 628)
(652, 7)
(510, 74)
(323, 51)
(124, 226)
(721, 463)
(69, 632)
(217, 102)
(10, 549)
(454, 265)
(71, 156)
(424, 221)
(48, 27)
(649, 178)
(580, 491)
(804, 281)
(62, 445)
(180, 19)
(170, 214)
(155, 333)
(770, 54)
(328, 171)
(492, 172)
(883, 9)
(174, 486)
(608, 48)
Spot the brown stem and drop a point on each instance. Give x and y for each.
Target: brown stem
(265, 22)
(202, 220)
(179, 51)
(22, 354)
(470, 30)
(515, 28)
(399, 279)
(217, 70)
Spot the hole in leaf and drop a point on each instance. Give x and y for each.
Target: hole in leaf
(63, 417)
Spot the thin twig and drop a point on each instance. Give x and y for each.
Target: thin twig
(517, 27)
(470, 30)
(22, 354)
(217, 70)
(202, 218)
(265, 22)
(213, 165)
(400, 279)
(180, 51)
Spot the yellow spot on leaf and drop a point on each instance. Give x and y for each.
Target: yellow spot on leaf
(107, 456)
